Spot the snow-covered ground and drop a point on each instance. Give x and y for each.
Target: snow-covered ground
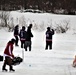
(39, 61)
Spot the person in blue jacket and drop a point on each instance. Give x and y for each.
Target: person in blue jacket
(49, 34)
(22, 36)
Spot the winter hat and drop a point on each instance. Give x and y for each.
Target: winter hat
(30, 25)
(23, 27)
(13, 40)
(48, 28)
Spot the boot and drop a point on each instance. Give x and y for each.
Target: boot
(12, 70)
(4, 70)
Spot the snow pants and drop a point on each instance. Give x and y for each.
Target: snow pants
(48, 44)
(22, 44)
(7, 61)
(27, 44)
(16, 43)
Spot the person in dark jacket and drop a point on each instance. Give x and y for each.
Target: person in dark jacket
(8, 55)
(49, 34)
(16, 34)
(22, 36)
(29, 34)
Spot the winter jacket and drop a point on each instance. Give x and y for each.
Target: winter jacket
(49, 35)
(16, 31)
(29, 34)
(9, 50)
(22, 35)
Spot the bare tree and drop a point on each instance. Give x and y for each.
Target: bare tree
(22, 21)
(63, 26)
(4, 16)
(11, 25)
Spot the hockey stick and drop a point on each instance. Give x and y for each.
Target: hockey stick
(23, 54)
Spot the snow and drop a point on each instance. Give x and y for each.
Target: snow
(39, 61)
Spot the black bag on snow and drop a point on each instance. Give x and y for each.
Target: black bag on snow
(1, 58)
(17, 61)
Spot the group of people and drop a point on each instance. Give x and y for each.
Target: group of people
(25, 36)
(25, 39)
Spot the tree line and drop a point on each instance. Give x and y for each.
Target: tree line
(44, 5)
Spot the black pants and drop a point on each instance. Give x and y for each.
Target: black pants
(22, 44)
(7, 61)
(16, 43)
(27, 44)
(48, 44)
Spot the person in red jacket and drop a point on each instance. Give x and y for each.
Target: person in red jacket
(74, 62)
(8, 55)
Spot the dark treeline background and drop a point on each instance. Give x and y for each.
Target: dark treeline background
(44, 5)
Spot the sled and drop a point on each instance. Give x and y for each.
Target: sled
(15, 61)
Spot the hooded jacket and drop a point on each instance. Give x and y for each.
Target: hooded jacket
(49, 34)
